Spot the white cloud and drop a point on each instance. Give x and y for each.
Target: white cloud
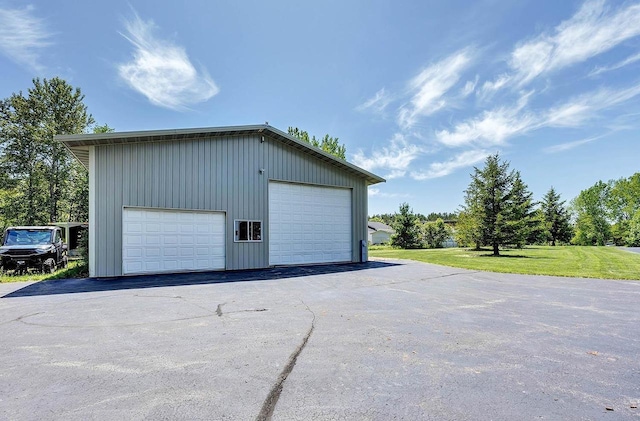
(469, 87)
(576, 111)
(377, 103)
(492, 127)
(23, 36)
(619, 65)
(593, 30)
(496, 127)
(569, 145)
(376, 192)
(395, 158)
(162, 71)
(430, 85)
(441, 169)
(494, 120)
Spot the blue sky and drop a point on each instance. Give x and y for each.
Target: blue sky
(419, 92)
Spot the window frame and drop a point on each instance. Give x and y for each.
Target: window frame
(250, 234)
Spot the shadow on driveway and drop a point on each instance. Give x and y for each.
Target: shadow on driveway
(72, 286)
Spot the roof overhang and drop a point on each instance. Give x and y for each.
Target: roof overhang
(79, 144)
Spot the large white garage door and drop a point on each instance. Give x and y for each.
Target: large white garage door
(308, 224)
(161, 240)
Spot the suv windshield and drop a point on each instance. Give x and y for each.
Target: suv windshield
(27, 237)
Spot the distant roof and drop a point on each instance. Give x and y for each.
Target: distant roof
(379, 226)
(79, 144)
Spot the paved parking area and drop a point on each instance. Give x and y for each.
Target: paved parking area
(385, 340)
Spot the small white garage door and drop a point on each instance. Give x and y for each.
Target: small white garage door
(309, 224)
(162, 240)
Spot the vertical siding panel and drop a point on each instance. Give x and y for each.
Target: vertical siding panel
(118, 178)
(203, 174)
(126, 177)
(109, 208)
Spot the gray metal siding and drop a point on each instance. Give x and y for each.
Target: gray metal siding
(221, 174)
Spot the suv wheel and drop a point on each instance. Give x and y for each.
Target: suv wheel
(49, 266)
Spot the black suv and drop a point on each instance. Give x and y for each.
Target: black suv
(39, 248)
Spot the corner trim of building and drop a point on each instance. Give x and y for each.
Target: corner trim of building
(92, 211)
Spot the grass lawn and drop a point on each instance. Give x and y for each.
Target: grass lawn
(583, 262)
(73, 270)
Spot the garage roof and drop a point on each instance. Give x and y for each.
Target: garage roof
(79, 144)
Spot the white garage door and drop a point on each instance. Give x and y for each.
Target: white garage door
(308, 224)
(161, 240)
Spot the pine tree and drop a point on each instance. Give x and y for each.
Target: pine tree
(406, 229)
(498, 207)
(522, 223)
(555, 217)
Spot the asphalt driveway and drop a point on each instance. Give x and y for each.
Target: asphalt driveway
(385, 340)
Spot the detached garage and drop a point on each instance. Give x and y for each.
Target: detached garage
(221, 198)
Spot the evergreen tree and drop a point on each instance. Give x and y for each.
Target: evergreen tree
(497, 208)
(556, 218)
(406, 230)
(522, 224)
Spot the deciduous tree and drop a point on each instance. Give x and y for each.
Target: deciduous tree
(434, 233)
(39, 164)
(327, 143)
(592, 225)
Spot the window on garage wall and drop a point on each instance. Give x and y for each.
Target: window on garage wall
(246, 230)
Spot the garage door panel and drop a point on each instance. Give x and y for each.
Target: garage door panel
(309, 224)
(161, 240)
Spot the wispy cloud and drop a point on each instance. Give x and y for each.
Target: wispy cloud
(377, 103)
(162, 71)
(376, 192)
(469, 87)
(23, 36)
(576, 111)
(427, 89)
(593, 30)
(497, 126)
(561, 147)
(603, 69)
(395, 158)
(441, 169)
(513, 101)
(491, 127)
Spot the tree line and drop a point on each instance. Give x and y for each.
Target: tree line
(40, 182)
(499, 211)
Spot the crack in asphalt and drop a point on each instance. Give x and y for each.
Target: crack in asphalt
(19, 319)
(269, 405)
(219, 309)
(382, 284)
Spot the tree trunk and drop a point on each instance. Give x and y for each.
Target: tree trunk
(496, 251)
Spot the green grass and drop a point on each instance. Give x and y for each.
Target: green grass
(75, 269)
(574, 261)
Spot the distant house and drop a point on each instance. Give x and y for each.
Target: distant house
(379, 233)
